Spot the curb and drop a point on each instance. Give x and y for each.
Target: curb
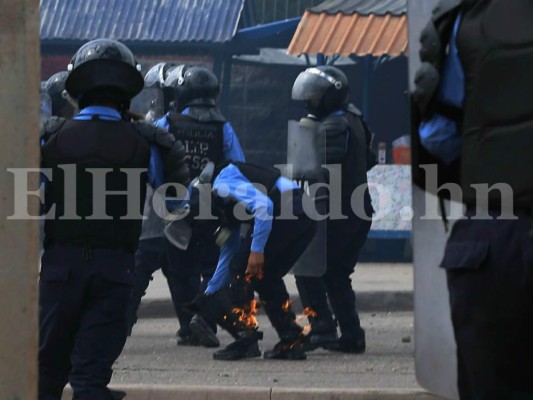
(378, 301)
(182, 392)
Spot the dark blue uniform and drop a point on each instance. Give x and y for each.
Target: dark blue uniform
(86, 278)
(489, 260)
(345, 239)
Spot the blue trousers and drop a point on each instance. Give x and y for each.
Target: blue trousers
(83, 299)
(489, 264)
(345, 239)
(184, 271)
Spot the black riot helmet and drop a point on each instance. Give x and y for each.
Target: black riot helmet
(324, 90)
(193, 85)
(55, 87)
(155, 77)
(104, 68)
(153, 101)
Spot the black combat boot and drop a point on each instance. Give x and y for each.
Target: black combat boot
(204, 332)
(350, 342)
(290, 347)
(322, 334)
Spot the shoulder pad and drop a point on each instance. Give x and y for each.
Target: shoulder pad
(51, 126)
(206, 114)
(154, 134)
(354, 110)
(426, 83)
(333, 125)
(436, 34)
(444, 7)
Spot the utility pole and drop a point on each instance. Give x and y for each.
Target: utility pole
(19, 241)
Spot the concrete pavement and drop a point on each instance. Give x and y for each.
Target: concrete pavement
(379, 287)
(152, 367)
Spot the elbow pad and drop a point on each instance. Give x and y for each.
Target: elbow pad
(172, 152)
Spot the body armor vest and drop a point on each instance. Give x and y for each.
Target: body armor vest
(203, 141)
(263, 178)
(356, 164)
(98, 144)
(495, 42)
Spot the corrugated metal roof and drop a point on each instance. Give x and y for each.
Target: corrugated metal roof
(355, 34)
(362, 7)
(141, 20)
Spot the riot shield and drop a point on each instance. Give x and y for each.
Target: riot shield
(305, 160)
(435, 360)
(153, 224)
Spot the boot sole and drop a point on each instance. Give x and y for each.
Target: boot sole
(290, 357)
(233, 357)
(204, 334)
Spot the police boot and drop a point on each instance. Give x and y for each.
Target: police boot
(204, 332)
(322, 333)
(112, 395)
(290, 347)
(350, 342)
(185, 335)
(218, 307)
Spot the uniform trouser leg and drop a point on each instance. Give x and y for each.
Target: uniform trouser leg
(489, 265)
(150, 256)
(83, 312)
(288, 240)
(60, 304)
(343, 248)
(100, 339)
(312, 291)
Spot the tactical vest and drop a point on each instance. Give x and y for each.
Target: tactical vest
(356, 164)
(495, 42)
(94, 144)
(434, 41)
(263, 178)
(203, 141)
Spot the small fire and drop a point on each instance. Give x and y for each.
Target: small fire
(300, 319)
(247, 315)
(286, 305)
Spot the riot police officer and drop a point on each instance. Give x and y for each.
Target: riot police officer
(208, 137)
(476, 125)
(94, 197)
(55, 87)
(251, 194)
(346, 140)
(151, 253)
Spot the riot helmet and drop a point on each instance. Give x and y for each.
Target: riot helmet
(324, 90)
(193, 85)
(153, 102)
(55, 87)
(104, 68)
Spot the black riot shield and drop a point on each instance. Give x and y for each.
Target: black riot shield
(435, 360)
(305, 160)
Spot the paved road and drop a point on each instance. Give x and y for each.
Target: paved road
(152, 357)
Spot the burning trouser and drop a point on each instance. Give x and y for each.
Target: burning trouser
(287, 241)
(312, 291)
(218, 307)
(344, 243)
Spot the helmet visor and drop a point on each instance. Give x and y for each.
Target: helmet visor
(310, 85)
(149, 102)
